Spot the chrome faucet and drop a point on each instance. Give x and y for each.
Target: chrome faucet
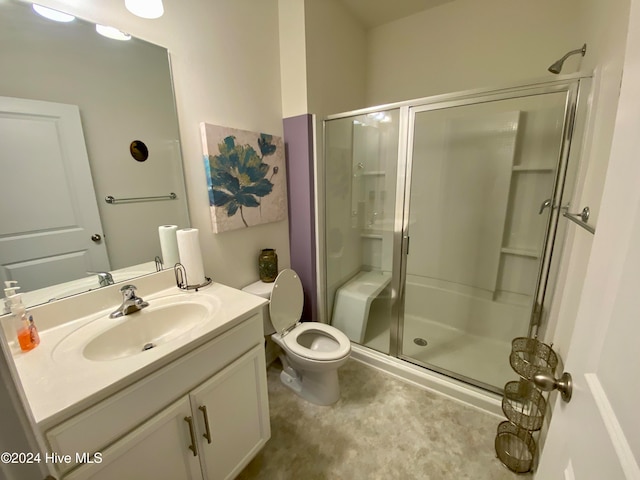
(104, 278)
(130, 302)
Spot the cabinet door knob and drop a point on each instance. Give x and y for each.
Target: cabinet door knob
(207, 433)
(193, 447)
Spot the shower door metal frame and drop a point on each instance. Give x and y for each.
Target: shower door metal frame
(576, 111)
(571, 88)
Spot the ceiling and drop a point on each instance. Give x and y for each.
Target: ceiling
(373, 13)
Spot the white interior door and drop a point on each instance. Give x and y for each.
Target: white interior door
(48, 208)
(597, 435)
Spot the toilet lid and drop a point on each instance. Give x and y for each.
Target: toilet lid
(285, 307)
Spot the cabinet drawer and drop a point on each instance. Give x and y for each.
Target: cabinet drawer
(107, 421)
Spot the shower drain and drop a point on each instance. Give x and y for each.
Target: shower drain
(420, 341)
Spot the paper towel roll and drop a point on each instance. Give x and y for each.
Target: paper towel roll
(190, 255)
(169, 245)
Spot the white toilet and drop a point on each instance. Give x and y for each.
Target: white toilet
(313, 351)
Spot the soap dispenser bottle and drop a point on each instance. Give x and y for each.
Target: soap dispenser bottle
(28, 337)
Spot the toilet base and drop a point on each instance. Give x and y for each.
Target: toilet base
(320, 388)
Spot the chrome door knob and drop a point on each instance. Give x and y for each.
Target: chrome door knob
(564, 384)
(96, 237)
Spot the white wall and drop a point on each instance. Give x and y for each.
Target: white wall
(605, 27)
(226, 67)
(336, 58)
(293, 60)
(467, 44)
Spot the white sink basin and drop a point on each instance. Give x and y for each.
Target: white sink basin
(165, 320)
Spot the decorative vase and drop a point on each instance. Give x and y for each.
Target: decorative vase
(268, 265)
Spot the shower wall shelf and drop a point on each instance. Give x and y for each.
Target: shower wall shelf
(531, 174)
(520, 251)
(527, 168)
(374, 236)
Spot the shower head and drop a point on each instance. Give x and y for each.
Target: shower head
(557, 66)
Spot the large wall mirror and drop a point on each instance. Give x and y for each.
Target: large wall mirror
(72, 104)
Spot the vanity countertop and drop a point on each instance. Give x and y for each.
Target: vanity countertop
(58, 384)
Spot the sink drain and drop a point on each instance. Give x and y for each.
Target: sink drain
(148, 346)
(420, 341)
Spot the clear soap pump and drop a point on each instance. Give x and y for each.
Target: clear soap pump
(28, 337)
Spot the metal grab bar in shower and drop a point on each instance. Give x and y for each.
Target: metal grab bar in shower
(112, 200)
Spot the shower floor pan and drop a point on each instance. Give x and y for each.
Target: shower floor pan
(475, 357)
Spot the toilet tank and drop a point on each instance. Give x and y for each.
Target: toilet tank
(262, 289)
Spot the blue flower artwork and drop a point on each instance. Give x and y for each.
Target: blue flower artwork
(245, 177)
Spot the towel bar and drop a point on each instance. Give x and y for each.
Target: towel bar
(580, 219)
(112, 200)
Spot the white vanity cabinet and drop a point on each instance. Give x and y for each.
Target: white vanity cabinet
(156, 449)
(232, 421)
(210, 431)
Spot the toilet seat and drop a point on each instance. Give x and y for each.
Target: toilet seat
(285, 309)
(292, 344)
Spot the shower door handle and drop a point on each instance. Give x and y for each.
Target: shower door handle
(406, 238)
(545, 204)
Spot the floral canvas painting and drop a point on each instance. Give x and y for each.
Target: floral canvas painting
(246, 177)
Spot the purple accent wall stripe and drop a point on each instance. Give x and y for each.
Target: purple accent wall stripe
(298, 140)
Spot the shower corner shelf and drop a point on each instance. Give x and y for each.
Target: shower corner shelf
(371, 235)
(531, 168)
(522, 252)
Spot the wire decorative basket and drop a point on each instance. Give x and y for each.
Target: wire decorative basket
(524, 405)
(515, 447)
(530, 356)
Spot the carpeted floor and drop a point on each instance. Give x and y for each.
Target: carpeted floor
(381, 428)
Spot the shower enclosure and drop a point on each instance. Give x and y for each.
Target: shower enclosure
(440, 218)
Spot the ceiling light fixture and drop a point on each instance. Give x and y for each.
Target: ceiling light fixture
(145, 8)
(52, 14)
(113, 33)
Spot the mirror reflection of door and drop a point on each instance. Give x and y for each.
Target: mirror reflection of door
(48, 207)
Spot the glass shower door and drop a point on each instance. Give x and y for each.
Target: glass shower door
(361, 156)
(481, 176)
